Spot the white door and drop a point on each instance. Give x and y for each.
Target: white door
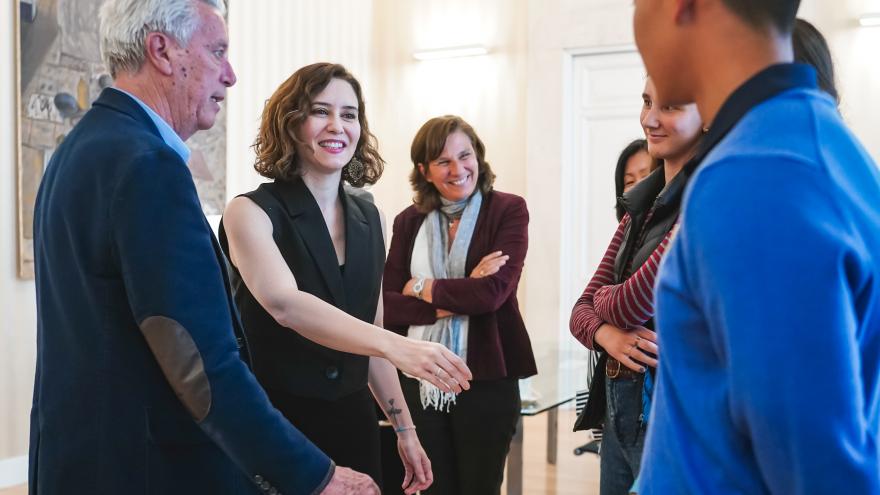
(603, 101)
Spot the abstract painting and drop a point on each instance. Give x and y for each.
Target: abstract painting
(60, 74)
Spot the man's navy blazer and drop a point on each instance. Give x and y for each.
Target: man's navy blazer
(140, 386)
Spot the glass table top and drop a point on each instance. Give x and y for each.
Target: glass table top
(558, 379)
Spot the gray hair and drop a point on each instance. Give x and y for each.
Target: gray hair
(125, 25)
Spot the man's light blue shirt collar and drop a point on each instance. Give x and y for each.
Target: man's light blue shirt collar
(166, 131)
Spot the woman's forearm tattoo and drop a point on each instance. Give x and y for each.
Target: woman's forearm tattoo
(393, 412)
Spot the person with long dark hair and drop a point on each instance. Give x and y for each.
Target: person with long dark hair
(633, 165)
(811, 48)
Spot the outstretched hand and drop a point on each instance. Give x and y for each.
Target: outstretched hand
(430, 361)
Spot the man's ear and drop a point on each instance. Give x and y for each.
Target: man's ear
(158, 55)
(685, 11)
(422, 170)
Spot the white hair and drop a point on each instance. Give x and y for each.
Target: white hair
(125, 25)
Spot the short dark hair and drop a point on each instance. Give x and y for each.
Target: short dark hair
(779, 14)
(811, 48)
(427, 146)
(619, 172)
(289, 107)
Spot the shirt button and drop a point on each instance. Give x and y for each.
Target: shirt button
(332, 372)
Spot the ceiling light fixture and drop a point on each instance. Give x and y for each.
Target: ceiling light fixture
(451, 52)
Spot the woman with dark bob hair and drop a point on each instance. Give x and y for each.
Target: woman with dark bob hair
(633, 165)
(453, 267)
(307, 259)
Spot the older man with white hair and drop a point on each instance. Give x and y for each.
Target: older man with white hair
(142, 384)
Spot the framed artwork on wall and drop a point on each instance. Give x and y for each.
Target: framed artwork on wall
(59, 74)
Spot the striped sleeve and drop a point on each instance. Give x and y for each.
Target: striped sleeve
(584, 321)
(631, 303)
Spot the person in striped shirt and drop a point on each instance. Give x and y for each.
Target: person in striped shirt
(614, 315)
(633, 165)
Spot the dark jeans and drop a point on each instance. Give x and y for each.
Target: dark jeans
(468, 445)
(623, 437)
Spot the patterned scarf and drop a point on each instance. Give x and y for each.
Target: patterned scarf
(449, 264)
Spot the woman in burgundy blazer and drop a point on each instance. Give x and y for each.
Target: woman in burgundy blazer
(467, 440)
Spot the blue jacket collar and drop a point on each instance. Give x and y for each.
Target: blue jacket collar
(764, 85)
(166, 132)
(117, 100)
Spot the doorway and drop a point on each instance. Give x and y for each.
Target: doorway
(602, 102)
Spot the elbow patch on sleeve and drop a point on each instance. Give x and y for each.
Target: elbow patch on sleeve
(181, 363)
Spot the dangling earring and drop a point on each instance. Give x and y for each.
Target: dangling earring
(705, 129)
(355, 169)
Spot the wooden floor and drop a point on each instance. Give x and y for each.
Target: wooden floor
(17, 490)
(572, 475)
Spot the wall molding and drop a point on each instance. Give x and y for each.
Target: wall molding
(13, 471)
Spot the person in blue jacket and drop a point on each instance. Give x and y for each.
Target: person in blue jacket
(768, 301)
(142, 382)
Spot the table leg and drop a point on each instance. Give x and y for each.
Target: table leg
(552, 431)
(515, 461)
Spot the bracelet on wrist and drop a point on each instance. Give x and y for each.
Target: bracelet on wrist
(401, 429)
(418, 287)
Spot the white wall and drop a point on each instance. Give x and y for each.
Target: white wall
(554, 29)
(379, 37)
(487, 91)
(17, 298)
(269, 40)
(855, 57)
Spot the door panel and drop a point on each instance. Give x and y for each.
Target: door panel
(604, 106)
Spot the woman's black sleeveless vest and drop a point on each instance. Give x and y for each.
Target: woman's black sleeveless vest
(283, 359)
(653, 207)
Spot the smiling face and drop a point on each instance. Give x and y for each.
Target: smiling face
(455, 172)
(672, 131)
(637, 168)
(329, 135)
(201, 74)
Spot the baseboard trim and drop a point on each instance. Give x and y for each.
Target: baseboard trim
(13, 471)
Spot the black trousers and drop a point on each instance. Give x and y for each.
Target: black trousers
(468, 445)
(346, 429)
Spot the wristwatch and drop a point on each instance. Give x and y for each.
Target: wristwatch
(418, 287)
